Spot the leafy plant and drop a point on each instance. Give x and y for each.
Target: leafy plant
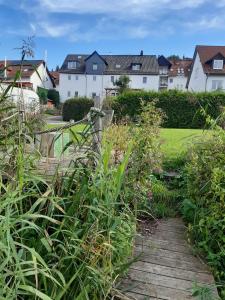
(76, 108)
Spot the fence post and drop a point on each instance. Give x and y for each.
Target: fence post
(96, 116)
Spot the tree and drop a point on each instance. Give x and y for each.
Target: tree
(173, 57)
(57, 68)
(54, 96)
(43, 95)
(122, 83)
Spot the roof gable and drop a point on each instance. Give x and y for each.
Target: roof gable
(163, 62)
(93, 54)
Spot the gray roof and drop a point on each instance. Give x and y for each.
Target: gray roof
(149, 64)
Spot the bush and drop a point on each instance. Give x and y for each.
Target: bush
(204, 207)
(54, 96)
(76, 108)
(183, 109)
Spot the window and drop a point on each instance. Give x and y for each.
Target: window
(93, 95)
(68, 94)
(145, 79)
(72, 64)
(69, 77)
(77, 77)
(76, 94)
(79, 56)
(95, 67)
(218, 64)
(94, 78)
(217, 85)
(163, 70)
(136, 67)
(118, 66)
(171, 80)
(112, 79)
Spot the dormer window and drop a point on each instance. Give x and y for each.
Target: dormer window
(95, 67)
(136, 67)
(118, 66)
(218, 64)
(72, 64)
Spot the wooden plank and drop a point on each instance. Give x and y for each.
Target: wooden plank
(165, 253)
(175, 283)
(171, 262)
(167, 245)
(151, 290)
(173, 272)
(135, 296)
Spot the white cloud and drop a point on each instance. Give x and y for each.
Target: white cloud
(134, 7)
(205, 23)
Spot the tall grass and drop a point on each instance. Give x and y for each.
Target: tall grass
(65, 239)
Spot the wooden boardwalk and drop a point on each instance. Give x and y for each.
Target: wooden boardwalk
(166, 267)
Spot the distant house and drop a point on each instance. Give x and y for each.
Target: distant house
(55, 77)
(208, 69)
(94, 75)
(164, 67)
(34, 74)
(178, 74)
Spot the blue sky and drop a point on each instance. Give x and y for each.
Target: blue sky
(110, 26)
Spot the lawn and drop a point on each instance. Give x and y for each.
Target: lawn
(176, 141)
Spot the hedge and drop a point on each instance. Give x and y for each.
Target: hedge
(182, 109)
(76, 108)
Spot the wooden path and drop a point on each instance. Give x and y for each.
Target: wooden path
(166, 267)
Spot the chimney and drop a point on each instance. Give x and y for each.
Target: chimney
(141, 53)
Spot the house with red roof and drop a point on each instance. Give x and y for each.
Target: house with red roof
(208, 69)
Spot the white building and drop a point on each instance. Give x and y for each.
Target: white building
(173, 74)
(178, 74)
(34, 74)
(93, 75)
(208, 69)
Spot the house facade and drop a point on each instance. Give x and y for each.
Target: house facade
(208, 69)
(179, 73)
(34, 74)
(94, 75)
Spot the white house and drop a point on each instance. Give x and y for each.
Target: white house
(208, 69)
(178, 74)
(173, 74)
(34, 74)
(94, 75)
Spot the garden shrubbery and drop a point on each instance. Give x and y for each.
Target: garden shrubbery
(204, 207)
(182, 109)
(76, 108)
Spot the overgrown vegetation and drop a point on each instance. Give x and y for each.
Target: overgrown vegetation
(204, 206)
(182, 109)
(76, 108)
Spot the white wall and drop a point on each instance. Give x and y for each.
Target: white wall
(85, 85)
(40, 78)
(179, 83)
(211, 78)
(197, 81)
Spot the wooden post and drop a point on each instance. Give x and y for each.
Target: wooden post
(96, 116)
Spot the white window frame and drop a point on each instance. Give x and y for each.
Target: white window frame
(136, 67)
(94, 77)
(171, 80)
(72, 64)
(69, 77)
(77, 77)
(76, 94)
(94, 66)
(217, 85)
(218, 64)
(145, 79)
(93, 95)
(68, 94)
(112, 79)
(118, 66)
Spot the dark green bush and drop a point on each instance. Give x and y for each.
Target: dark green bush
(54, 96)
(204, 207)
(76, 108)
(182, 109)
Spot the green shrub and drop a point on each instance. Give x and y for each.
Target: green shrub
(204, 207)
(76, 108)
(182, 109)
(54, 96)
